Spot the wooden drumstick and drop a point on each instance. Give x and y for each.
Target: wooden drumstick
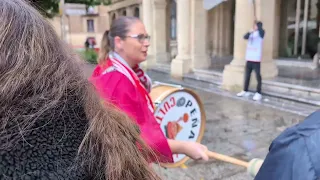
(228, 159)
(252, 167)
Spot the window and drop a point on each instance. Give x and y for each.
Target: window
(173, 20)
(137, 12)
(124, 13)
(90, 25)
(299, 28)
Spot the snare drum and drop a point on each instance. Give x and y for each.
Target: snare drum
(180, 113)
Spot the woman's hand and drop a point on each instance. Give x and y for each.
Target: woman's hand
(194, 150)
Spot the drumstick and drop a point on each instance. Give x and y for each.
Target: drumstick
(252, 167)
(228, 159)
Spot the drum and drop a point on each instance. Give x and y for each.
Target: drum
(181, 115)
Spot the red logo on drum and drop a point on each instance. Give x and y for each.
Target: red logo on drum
(173, 127)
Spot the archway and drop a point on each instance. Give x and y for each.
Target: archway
(113, 16)
(137, 12)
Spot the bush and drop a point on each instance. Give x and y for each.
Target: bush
(90, 56)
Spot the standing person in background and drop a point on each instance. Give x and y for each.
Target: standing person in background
(253, 58)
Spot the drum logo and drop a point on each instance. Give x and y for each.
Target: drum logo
(179, 116)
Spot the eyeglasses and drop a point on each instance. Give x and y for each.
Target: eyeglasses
(140, 37)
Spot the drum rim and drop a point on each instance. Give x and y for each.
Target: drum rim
(203, 116)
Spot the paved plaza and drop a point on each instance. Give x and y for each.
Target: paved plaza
(234, 127)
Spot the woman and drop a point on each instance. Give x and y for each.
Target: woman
(52, 125)
(119, 79)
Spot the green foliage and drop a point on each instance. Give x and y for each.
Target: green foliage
(50, 8)
(90, 56)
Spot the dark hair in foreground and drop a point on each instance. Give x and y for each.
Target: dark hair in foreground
(38, 72)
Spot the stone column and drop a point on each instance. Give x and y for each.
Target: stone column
(233, 74)
(160, 35)
(268, 15)
(221, 29)
(227, 27)
(216, 31)
(147, 19)
(199, 28)
(117, 13)
(141, 11)
(130, 11)
(276, 42)
(182, 63)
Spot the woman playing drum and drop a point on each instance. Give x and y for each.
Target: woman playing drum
(119, 79)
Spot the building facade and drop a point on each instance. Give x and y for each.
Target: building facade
(185, 37)
(81, 23)
(125, 8)
(188, 38)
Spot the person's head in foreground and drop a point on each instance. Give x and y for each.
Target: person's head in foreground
(295, 153)
(52, 124)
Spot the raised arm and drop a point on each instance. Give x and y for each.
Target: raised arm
(247, 35)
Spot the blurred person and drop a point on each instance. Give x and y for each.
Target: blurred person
(119, 79)
(294, 154)
(52, 124)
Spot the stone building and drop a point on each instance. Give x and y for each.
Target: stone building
(187, 37)
(81, 23)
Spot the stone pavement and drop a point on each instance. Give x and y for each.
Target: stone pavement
(234, 127)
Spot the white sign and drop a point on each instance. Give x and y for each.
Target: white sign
(76, 11)
(179, 116)
(209, 4)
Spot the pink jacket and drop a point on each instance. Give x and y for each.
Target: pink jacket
(116, 87)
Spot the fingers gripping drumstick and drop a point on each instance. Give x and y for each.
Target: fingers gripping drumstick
(252, 167)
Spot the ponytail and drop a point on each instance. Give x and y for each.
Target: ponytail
(119, 27)
(104, 49)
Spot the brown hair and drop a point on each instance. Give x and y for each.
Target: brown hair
(119, 27)
(39, 71)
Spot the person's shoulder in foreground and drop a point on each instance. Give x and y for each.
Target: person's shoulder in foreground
(295, 153)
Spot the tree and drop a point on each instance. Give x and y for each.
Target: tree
(50, 8)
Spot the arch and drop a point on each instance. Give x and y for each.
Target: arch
(124, 13)
(113, 16)
(137, 12)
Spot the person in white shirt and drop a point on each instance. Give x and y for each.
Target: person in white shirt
(253, 58)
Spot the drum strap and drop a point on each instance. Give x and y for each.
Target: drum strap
(133, 77)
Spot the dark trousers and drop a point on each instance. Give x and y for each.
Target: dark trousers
(249, 67)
